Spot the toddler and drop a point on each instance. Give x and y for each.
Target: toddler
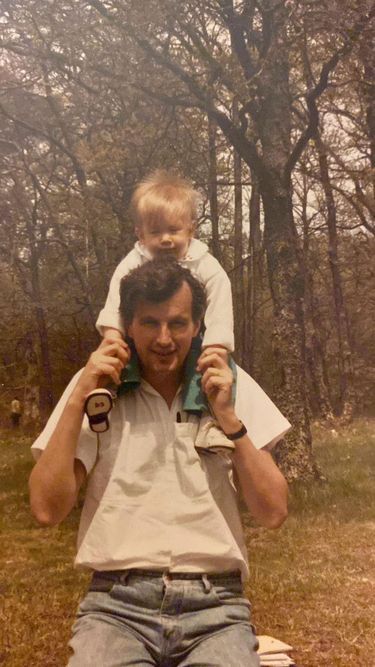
(164, 208)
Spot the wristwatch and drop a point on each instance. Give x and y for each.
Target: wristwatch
(238, 434)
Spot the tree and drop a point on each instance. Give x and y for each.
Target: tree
(242, 50)
(102, 93)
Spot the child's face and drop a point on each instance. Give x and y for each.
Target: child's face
(163, 237)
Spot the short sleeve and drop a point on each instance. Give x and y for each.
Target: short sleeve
(86, 450)
(109, 316)
(265, 424)
(218, 317)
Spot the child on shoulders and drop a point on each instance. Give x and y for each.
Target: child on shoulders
(164, 208)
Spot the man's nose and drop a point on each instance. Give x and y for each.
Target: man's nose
(164, 335)
(166, 238)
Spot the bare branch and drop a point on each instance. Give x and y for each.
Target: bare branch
(81, 176)
(204, 100)
(313, 95)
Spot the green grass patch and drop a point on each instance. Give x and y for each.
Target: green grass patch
(39, 589)
(347, 462)
(312, 582)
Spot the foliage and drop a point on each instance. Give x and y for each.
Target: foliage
(95, 95)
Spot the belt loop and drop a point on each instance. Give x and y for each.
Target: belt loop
(206, 583)
(166, 580)
(124, 577)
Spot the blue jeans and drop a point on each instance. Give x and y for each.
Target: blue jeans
(154, 620)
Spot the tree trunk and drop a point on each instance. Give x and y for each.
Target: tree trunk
(369, 96)
(82, 281)
(212, 189)
(319, 398)
(286, 283)
(46, 384)
(58, 229)
(284, 265)
(254, 279)
(344, 356)
(238, 273)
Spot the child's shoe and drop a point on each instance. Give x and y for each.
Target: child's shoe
(210, 438)
(98, 404)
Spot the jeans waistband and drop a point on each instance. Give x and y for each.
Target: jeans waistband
(121, 576)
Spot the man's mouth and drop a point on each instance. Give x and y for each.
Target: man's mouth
(164, 354)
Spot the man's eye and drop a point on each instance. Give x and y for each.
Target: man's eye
(177, 324)
(149, 323)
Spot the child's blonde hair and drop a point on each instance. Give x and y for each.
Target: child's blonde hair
(163, 195)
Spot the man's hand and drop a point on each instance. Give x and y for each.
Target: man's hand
(58, 475)
(217, 380)
(104, 365)
(263, 486)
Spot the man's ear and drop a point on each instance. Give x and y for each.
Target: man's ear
(197, 327)
(139, 232)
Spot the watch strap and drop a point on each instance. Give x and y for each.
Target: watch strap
(238, 434)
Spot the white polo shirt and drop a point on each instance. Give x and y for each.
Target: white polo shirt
(151, 500)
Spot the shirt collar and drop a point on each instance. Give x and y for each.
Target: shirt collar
(148, 388)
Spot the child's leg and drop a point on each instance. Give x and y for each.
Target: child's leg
(131, 374)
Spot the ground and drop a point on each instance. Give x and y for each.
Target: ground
(312, 581)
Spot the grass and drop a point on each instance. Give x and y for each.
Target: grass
(39, 589)
(312, 582)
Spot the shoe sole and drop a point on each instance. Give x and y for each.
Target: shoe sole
(98, 404)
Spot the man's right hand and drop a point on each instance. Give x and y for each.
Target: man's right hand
(104, 366)
(57, 476)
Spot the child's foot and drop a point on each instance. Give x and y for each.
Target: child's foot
(98, 404)
(210, 438)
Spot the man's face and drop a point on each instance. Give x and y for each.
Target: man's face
(162, 333)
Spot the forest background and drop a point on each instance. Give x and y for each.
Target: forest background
(269, 108)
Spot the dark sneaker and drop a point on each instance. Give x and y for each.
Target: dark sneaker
(97, 406)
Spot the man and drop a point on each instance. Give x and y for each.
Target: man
(15, 412)
(160, 525)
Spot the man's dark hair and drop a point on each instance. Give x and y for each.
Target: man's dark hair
(157, 281)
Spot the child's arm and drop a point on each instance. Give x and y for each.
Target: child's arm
(218, 319)
(109, 319)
